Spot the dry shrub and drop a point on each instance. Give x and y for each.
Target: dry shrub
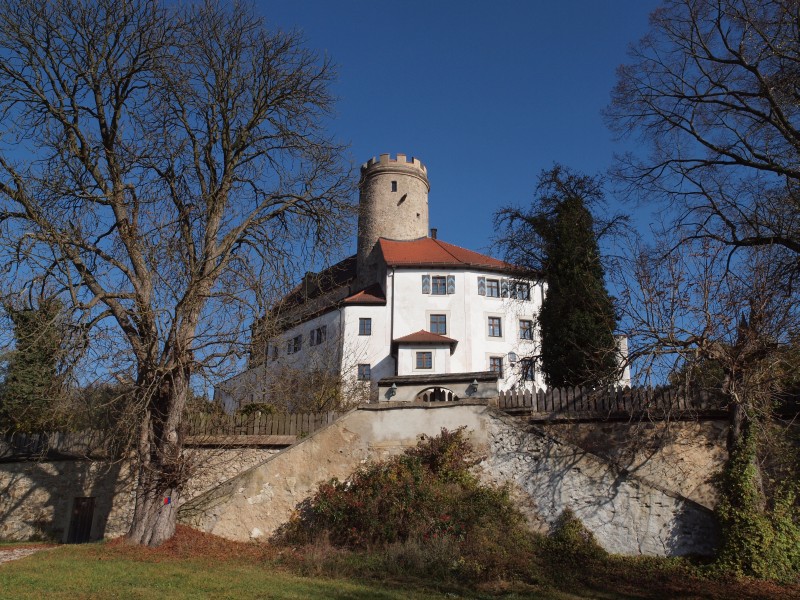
(569, 537)
(423, 512)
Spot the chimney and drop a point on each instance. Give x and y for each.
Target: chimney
(433, 233)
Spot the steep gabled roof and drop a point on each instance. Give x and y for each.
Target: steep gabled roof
(429, 252)
(372, 295)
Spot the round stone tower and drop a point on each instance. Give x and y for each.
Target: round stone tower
(393, 204)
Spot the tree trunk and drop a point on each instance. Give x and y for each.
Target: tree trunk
(161, 471)
(737, 422)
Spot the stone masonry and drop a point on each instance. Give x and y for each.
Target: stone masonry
(628, 514)
(651, 497)
(36, 497)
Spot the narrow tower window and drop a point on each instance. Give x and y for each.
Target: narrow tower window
(394, 186)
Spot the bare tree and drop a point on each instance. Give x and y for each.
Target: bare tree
(713, 92)
(159, 165)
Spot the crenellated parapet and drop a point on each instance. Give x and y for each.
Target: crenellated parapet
(402, 164)
(393, 204)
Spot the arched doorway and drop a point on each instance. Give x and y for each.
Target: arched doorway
(436, 394)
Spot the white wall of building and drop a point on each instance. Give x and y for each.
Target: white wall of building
(408, 310)
(467, 315)
(253, 385)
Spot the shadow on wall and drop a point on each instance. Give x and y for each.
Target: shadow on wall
(62, 501)
(628, 514)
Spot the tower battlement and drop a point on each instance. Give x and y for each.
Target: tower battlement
(393, 204)
(399, 163)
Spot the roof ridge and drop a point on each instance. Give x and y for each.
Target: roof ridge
(442, 246)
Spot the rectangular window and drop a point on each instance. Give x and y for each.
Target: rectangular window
(294, 345)
(424, 360)
(525, 329)
(394, 186)
(522, 291)
(439, 324)
(318, 335)
(439, 285)
(495, 327)
(365, 326)
(496, 365)
(493, 288)
(364, 372)
(526, 367)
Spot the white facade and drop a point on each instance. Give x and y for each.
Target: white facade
(358, 336)
(374, 317)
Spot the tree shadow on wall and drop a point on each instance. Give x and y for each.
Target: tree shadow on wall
(626, 512)
(39, 491)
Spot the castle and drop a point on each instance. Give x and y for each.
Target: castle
(409, 316)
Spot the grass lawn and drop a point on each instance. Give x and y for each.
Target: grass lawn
(195, 565)
(97, 571)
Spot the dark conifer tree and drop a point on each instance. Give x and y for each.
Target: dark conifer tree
(555, 239)
(31, 379)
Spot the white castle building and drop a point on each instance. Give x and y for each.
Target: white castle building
(409, 315)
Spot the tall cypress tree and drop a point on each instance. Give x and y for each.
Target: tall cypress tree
(555, 239)
(31, 381)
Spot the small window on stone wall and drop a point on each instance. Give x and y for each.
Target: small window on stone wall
(394, 186)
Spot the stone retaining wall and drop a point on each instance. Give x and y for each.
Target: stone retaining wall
(36, 497)
(627, 513)
(682, 456)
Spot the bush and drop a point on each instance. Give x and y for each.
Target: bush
(425, 498)
(257, 407)
(760, 539)
(569, 537)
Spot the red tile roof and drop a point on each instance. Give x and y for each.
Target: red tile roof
(371, 295)
(425, 337)
(430, 252)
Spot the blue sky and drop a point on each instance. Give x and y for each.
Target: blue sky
(486, 95)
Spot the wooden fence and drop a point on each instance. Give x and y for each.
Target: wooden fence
(198, 429)
(53, 444)
(585, 402)
(258, 424)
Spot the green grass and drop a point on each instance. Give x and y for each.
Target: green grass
(197, 565)
(86, 572)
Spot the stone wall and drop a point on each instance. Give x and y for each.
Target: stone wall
(628, 513)
(36, 497)
(255, 503)
(642, 488)
(681, 456)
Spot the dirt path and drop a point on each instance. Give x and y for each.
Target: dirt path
(17, 553)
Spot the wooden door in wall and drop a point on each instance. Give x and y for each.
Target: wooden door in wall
(80, 523)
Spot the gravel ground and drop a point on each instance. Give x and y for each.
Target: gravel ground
(17, 553)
